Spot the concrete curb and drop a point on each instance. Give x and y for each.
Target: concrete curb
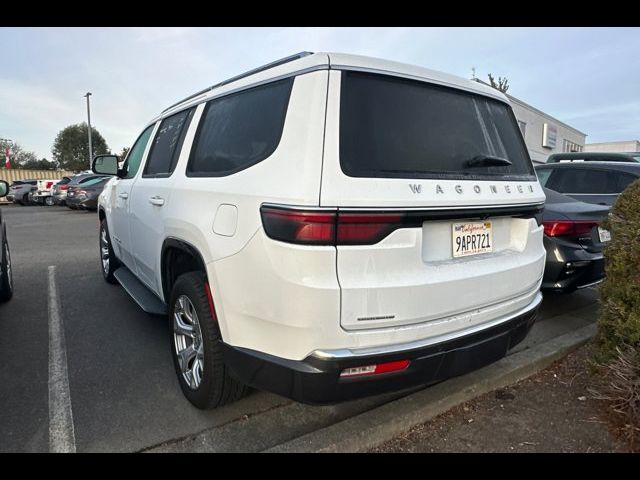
(372, 428)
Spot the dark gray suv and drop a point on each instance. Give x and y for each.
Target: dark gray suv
(591, 182)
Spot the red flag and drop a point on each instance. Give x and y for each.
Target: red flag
(7, 163)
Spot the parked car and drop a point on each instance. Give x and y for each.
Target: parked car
(594, 157)
(6, 276)
(85, 195)
(574, 241)
(328, 227)
(59, 191)
(79, 181)
(42, 192)
(635, 155)
(20, 190)
(591, 182)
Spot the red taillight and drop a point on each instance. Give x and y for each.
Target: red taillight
(63, 187)
(565, 228)
(328, 227)
(295, 226)
(367, 228)
(376, 369)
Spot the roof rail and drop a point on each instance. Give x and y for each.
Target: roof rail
(282, 61)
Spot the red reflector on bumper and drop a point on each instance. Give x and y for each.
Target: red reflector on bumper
(375, 369)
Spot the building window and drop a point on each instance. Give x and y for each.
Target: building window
(523, 126)
(569, 146)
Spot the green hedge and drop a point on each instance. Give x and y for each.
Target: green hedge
(619, 323)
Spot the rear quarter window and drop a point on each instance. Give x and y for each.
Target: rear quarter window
(240, 130)
(395, 127)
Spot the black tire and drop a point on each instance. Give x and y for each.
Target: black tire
(49, 201)
(113, 263)
(217, 387)
(6, 284)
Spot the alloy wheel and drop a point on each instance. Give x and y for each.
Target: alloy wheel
(8, 257)
(187, 340)
(104, 250)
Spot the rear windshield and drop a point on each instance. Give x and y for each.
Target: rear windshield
(399, 128)
(94, 181)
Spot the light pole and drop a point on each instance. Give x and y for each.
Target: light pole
(89, 125)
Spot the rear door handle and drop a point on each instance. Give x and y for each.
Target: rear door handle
(156, 200)
(123, 195)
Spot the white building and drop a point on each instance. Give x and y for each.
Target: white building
(622, 146)
(543, 133)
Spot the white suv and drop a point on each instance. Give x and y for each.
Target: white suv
(327, 227)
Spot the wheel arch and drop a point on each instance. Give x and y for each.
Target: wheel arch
(177, 257)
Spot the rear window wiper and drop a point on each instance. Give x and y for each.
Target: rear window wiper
(487, 161)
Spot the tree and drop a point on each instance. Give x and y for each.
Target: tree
(71, 147)
(123, 153)
(42, 164)
(502, 84)
(17, 155)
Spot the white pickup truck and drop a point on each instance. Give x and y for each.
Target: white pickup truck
(42, 192)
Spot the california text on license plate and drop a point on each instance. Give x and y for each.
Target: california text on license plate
(471, 238)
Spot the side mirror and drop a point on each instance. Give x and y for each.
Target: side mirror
(105, 164)
(4, 188)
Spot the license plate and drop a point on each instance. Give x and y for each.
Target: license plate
(471, 238)
(605, 235)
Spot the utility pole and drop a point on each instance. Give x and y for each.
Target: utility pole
(89, 125)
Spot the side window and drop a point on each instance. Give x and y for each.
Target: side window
(240, 130)
(132, 162)
(166, 147)
(543, 176)
(624, 180)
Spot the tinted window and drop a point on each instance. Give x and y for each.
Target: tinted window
(132, 163)
(583, 180)
(393, 127)
(166, 147)
(543, 175)
(94, 181)
(240, 130)
(87, 180)
(624, 180)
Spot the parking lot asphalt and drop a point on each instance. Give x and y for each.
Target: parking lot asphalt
(124, 393)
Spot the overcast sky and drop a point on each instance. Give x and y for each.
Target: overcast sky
(586, 77)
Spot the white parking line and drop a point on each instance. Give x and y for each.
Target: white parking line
(61, 435)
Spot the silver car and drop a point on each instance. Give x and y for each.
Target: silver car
(19, 191)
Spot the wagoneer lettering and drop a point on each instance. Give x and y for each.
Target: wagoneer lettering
(268, 217)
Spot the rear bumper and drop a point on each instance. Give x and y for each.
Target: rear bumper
(569, 268)
(316, 379)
